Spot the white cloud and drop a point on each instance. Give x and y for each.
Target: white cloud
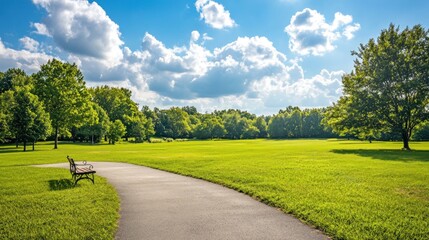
(81, 28)
(195, 35)
(29, 44)
(350, 29)
(311, 34)
(248, 73)
(24, 59)
(207, 37)
(41, 29)
(214, 14)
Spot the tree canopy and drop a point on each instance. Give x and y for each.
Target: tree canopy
(62, 89)
(388, 91)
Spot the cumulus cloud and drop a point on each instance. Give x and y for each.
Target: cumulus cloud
(195, 35)
(311, 34)
(81, 28)
(214, 14)
(29, 44)
(248, 73)
(41, 29)
(29, 61)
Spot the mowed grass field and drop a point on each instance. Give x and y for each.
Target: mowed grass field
(348, 189)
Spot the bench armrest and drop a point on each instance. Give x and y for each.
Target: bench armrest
(84, 164)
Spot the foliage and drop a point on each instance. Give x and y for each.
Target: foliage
(262, 126)
(30, 122)
(93, 132)
(422, 132)
(388, 91)
(118, 105)
(13, 77)
(293, 122)
(277, 126)
(173, 122)
(210, 127)
(62, 89)
(5, 115)
(115, 131)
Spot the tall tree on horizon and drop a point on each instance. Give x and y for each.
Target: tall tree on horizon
(62, 89)
(388, 91)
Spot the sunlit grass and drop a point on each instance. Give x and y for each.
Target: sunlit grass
(40, 203)
(349, 189)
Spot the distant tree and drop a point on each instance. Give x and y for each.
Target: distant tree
(116, 130)
(191, 110)
(234, 125)
(6, 115)
(277, 126)
(202, 131)
(217, 128)
(95, 129)
(140, 127)
(261, 125)
(311, 123)
(30, 122)
(422, 132)
(62, 89)
(389, 87)
(118, 104)
(210, 127)
(178, 123)
(250, 132)
(293, 123)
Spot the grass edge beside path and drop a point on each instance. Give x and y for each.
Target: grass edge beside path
(348, 189)
(41, 203)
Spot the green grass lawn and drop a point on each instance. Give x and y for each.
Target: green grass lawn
(348, 189)
(42, 203)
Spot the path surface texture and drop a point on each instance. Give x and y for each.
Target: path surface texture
(161, 205)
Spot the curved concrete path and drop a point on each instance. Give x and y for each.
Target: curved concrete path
(161, 205)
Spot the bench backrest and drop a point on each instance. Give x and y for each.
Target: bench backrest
(72, 165)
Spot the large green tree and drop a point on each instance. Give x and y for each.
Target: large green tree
(30, 122)
(62, 89)
(388, 91)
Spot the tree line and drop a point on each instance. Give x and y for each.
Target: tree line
(55, 103)
(386, 97)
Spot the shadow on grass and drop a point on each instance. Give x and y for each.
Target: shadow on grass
(62, 184)
(388, 154)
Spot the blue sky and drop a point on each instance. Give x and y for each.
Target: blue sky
(255, 55)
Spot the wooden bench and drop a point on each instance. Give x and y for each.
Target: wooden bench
(81, 171)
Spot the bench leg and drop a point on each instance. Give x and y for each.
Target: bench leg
(89, 176)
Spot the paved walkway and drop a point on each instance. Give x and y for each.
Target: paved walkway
(161, 205)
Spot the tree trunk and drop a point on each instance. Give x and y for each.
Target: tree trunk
(33, 144)
(56, 138)
(16, 143)
(92, 138)
(25, 145)
(405, 139)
